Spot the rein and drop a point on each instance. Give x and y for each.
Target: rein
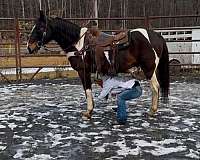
(76, 53)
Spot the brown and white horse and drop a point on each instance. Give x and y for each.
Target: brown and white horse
(148, 50)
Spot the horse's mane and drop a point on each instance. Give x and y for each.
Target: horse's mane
(65, 31)
(65, 22)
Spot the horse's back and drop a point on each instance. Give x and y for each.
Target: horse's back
(157, 41)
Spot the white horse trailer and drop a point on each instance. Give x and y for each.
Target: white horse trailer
(183, 40)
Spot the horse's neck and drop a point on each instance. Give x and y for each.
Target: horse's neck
(65, 36)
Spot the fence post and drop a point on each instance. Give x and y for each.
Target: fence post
(17, 51)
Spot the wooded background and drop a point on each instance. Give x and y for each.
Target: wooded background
(107, 8)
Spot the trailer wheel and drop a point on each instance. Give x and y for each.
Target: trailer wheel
(175, 66)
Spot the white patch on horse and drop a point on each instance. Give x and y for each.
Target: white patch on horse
(70, 54)
(31, 33)
(154, 84)
(156, 60)
(33, 29)
(89, 100)
(80, 43)
(107, 56)
(143, 32)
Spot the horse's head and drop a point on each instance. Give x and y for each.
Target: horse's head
(40, 35)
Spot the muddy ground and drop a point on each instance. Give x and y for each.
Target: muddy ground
(42, 120)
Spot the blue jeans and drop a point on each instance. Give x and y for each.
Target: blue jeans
(127, 94)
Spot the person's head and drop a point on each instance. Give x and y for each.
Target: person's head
(99, 82)
(93, 28)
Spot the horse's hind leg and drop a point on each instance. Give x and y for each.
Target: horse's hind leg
(155, 93)
(154, 87)
(150, 73)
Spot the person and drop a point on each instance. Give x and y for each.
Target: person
(124, 90)
(97, 33)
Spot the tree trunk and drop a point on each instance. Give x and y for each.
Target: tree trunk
(70, 8)
(49, 7)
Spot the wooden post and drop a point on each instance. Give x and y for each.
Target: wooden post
(19, 52)
(16, 49)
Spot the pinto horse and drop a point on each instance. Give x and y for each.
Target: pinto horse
(70, 37)
(148, 50)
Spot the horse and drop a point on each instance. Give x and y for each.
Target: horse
(146, 49)
(70, 38)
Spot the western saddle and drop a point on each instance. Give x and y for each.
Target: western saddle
(106, 40)
(112, 43)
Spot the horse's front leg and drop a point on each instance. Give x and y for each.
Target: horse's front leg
(87, 85)
(155, 93)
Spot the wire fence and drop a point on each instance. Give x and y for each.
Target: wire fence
(13, 38)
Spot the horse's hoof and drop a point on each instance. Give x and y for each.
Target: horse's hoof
(86, 115)
(114, 109)
(152, 112)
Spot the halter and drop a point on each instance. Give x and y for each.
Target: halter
(41, 43)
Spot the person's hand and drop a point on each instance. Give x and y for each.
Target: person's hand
(99, 82)
(106, 97)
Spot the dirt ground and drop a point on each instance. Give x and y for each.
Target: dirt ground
(42, 120)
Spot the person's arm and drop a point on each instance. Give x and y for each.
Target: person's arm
(116, 91)
(105, 90)
(107, 87)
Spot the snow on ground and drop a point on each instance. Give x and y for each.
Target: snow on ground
(33, 70)
(43, 121)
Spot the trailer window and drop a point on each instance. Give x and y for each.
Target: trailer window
(180, 32)
(165, 33)
(172, 33)
(188, 32)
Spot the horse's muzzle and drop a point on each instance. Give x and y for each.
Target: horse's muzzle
(32, 49)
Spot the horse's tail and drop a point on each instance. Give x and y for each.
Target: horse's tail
(163, 73)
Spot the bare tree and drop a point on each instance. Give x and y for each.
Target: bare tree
(62, 8)
(106, 8)
(49, 7)
(70, 8)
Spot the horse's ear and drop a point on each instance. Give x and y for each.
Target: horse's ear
(42, 16)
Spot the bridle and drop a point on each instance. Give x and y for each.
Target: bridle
(40, 43)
